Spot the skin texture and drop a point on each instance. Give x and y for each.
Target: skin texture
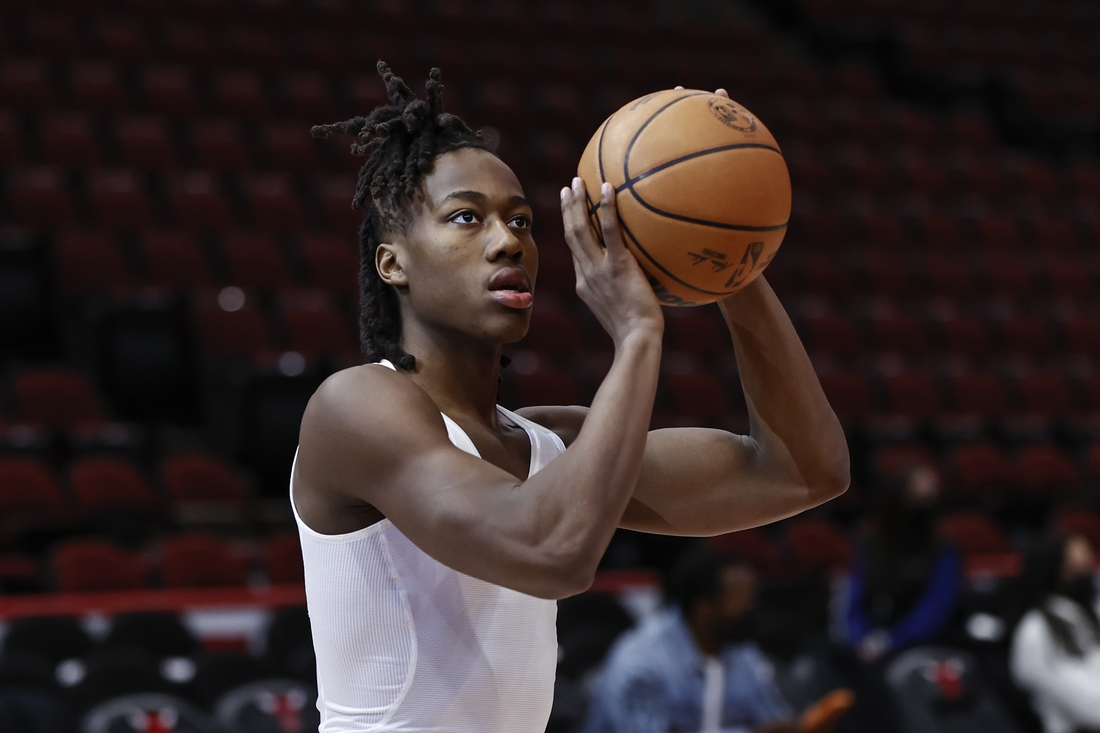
(373, 443)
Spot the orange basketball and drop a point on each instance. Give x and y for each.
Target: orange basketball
(702, 190)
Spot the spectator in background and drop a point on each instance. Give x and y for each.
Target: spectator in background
(1055, 654)
(906, 580)
(693, 666)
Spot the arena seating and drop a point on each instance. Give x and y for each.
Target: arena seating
(178, 259)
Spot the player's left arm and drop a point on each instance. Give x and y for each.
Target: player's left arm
(701, 481)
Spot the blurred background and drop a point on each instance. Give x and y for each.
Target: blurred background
(178, 265)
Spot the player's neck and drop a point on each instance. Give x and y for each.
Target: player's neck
(460, 377)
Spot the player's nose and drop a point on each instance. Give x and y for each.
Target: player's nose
(503, 242)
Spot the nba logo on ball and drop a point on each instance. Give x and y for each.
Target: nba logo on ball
(703, 192)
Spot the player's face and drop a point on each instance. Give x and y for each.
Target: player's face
(469, 258)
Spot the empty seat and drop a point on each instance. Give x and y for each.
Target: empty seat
(240, 94)
(275, 206)
(12, 147)
(314, 325)
(25, 85)
(1045, 468)
(256, 261)
(32, 505)
(39, 197)
(193, 560)
(96, 86)
(1009, 275)
(555, 333)
(97, 565)
(333, 262)
(90, 263)
(231, 327)
(119, 199)
(56, 397)
(309, 99)
(219, 145)
(175, 260)
(977, 394)
(849, 395)
(105, 485)
(170, 90)
(700, 396)
(199, 202)
(697, 332)
(195, 478)
(974, 534)
(69, 141)
(1082, 335)
(892, 460)
(191, 44)
(335, 194)
(1047, 395)
(948, 275)
(146, 143)
(899, 334)
(283, 559)
(1025, 336)
(981, 466)
(290, 148)
(124, 40)
(913, 395)
(817, 545)
(833, 334)
(54, 36)
(258, 48)
(963, 336)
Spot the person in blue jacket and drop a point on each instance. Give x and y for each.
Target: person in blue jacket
(906, 579)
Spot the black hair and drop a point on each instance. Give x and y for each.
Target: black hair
(697, 577)
(400, 141)
(1042, 578)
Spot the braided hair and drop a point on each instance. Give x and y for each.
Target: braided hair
(400, 142)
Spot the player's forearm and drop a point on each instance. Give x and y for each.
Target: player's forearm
(589, 486)
(783, 394)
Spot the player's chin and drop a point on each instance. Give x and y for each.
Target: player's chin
(507, 325)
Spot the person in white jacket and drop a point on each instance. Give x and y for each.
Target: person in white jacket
(1055, 655)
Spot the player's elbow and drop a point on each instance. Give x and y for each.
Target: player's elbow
(830, 485)
(566, 574)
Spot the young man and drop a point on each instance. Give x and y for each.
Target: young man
(437, 528)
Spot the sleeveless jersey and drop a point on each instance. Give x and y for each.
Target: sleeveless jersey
(405, 643)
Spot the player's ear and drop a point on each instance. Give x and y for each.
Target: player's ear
(388, 261)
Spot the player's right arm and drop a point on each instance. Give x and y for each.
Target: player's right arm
(370, 435)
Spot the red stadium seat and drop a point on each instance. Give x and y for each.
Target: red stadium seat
(240, 94)
(1082, 335)
(554, 333)
(753, 545)
(848, 394)
(25, 85)
(818, 545)
(120, 199)
(39, 197)
(314, 325)
(97, 565)
(105, 485)
(174, 260)
(887, 274)
(56, 397)
(90, 263)
(1008, 274)
(190, 44)
(1067, 274)
(1044, 394)
(913, 395)
(309, 99)
(1079, 522)
(195, 560)
(823, 274)
(124, 40)
(963, 336)
(199, 202)
(258, 48)
(941, 234)
(12, 147)
(231, 330)
(1046, 468)
(696, 331)
(334, 262)
(1025, 336)
(169, 90)
(891, 459)
(27, 485)
(1054, 235)
(255, 261)
(219, 146)
(977, 394)
(146, 143)
(981, 466)
(195, 478)
(96, 86)
(275, 207)
(546, 388)
(950, 276)
(336, 193)
(290, 147)
(68, 140)
(899, 334)
(283, 559)
(998, 233)
(833, 334)
(974, 534)
(54, 36)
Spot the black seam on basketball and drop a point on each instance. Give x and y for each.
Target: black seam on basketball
(699, 154)
(659, 266)
(599, 147)
(644, 125)
(593, 210)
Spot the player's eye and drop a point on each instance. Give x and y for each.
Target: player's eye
(464, 217)
(521, 222)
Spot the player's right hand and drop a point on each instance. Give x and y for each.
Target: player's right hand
(609, 280)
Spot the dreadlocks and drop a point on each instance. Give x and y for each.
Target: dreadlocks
(400, 142)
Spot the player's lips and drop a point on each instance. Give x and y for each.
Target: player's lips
(512, 288)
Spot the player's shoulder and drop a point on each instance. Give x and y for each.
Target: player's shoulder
(368, 399)
(564, 420)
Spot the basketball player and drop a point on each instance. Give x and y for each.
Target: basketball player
(438, 528)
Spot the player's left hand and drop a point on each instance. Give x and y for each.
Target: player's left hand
(719, 91)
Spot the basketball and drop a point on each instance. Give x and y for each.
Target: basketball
(702, 191)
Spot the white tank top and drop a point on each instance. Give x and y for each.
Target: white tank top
(405, 643)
